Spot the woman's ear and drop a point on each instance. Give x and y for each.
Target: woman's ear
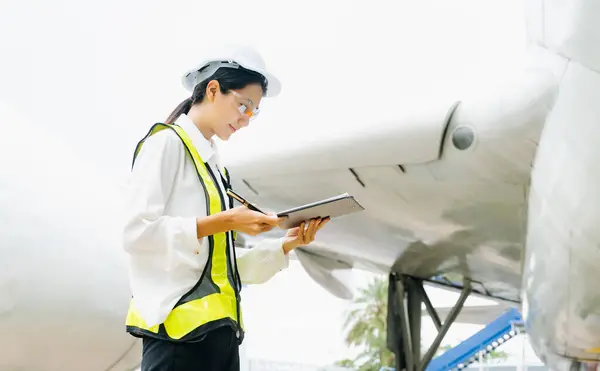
(211, 90)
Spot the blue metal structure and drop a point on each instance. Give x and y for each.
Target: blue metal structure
(486, 340)
(489, 338)
(405, 298)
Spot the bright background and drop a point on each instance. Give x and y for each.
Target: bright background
(92, 76)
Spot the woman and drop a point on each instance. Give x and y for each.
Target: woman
(184, 272)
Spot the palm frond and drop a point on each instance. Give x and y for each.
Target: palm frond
(366, 326)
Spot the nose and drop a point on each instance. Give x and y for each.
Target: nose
(243, 121)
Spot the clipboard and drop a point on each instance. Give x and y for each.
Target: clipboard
(333, 207)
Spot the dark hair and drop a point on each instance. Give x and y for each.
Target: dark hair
(228, 78)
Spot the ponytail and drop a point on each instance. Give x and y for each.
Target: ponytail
(182, 108)
(228, 79)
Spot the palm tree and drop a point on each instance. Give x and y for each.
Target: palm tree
(366, 323)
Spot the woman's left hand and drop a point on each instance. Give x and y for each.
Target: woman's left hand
(302, 235)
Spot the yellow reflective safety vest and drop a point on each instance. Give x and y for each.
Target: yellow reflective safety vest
(214, 301)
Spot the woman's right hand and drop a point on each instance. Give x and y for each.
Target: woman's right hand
(250, 222)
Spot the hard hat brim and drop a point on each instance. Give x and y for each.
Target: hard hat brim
(189, 80)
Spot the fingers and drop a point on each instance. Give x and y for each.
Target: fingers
(269, 219)
(301, 232)
(266, 228)
(323, 222)
(309, 236)
(304, 234)
(306, 231)
(315, 225)
(257, 229)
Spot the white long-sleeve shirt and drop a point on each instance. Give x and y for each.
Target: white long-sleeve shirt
(165, 197)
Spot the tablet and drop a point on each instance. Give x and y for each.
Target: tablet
(332, 207)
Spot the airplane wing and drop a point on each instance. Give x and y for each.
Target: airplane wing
(444, 188)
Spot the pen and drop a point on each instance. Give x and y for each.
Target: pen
(243, 201)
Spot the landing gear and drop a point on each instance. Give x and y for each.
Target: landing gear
(405, 295)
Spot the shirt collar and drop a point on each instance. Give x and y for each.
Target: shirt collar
(204, 146)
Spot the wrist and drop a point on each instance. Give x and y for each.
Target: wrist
(217, 223)
(226, 220)
(288, 246)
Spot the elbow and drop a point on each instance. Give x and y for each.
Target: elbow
(162, 234)
(136, 234)
(131, 243)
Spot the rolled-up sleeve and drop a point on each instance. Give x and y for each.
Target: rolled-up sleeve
(147, 228)
(260, 263)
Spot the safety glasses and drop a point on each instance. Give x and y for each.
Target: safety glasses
(246, 106)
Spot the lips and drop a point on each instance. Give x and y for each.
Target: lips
(233, 130)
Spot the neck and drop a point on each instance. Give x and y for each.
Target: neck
(199, 118)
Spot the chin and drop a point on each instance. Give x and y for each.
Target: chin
(224, 136)
(226, 133)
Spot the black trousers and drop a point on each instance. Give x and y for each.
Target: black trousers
(219, 350)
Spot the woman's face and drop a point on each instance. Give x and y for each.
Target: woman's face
(233, 111)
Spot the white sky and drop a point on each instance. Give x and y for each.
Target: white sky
(103, 71)
(96, 75)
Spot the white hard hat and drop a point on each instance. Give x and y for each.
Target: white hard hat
(231, 57)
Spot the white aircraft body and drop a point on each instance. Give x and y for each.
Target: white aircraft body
(63, 287)
(499, 191)
(494, 196)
